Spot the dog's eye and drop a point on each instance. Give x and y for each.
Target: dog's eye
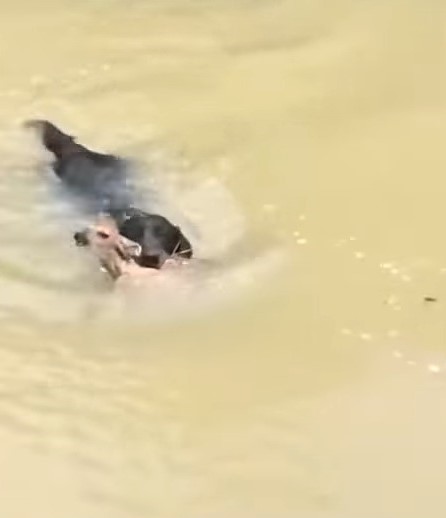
(102, 234)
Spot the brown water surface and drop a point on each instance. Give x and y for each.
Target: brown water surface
(304, 376)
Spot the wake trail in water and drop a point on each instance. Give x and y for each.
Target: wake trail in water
(44, 276)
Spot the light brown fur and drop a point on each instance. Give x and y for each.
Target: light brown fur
(116, 253)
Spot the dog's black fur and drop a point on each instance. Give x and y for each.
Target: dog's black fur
(102, 180)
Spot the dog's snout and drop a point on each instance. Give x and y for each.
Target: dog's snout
(34, 124)
(81, 238)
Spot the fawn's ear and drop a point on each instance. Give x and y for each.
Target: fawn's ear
(127, 249)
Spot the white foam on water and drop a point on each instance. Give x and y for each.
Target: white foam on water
(190, 290)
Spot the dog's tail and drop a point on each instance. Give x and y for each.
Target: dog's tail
(55, 140)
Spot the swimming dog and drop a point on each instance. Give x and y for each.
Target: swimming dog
(103, 182)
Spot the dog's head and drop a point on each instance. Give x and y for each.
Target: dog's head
(52, 137)
(112, 249)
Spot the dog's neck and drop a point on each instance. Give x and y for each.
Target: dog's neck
(65, 148)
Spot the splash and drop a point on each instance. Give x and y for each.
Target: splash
(45, 278)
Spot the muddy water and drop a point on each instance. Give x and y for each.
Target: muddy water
(304, 374)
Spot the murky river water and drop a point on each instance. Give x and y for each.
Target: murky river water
(303, 377)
